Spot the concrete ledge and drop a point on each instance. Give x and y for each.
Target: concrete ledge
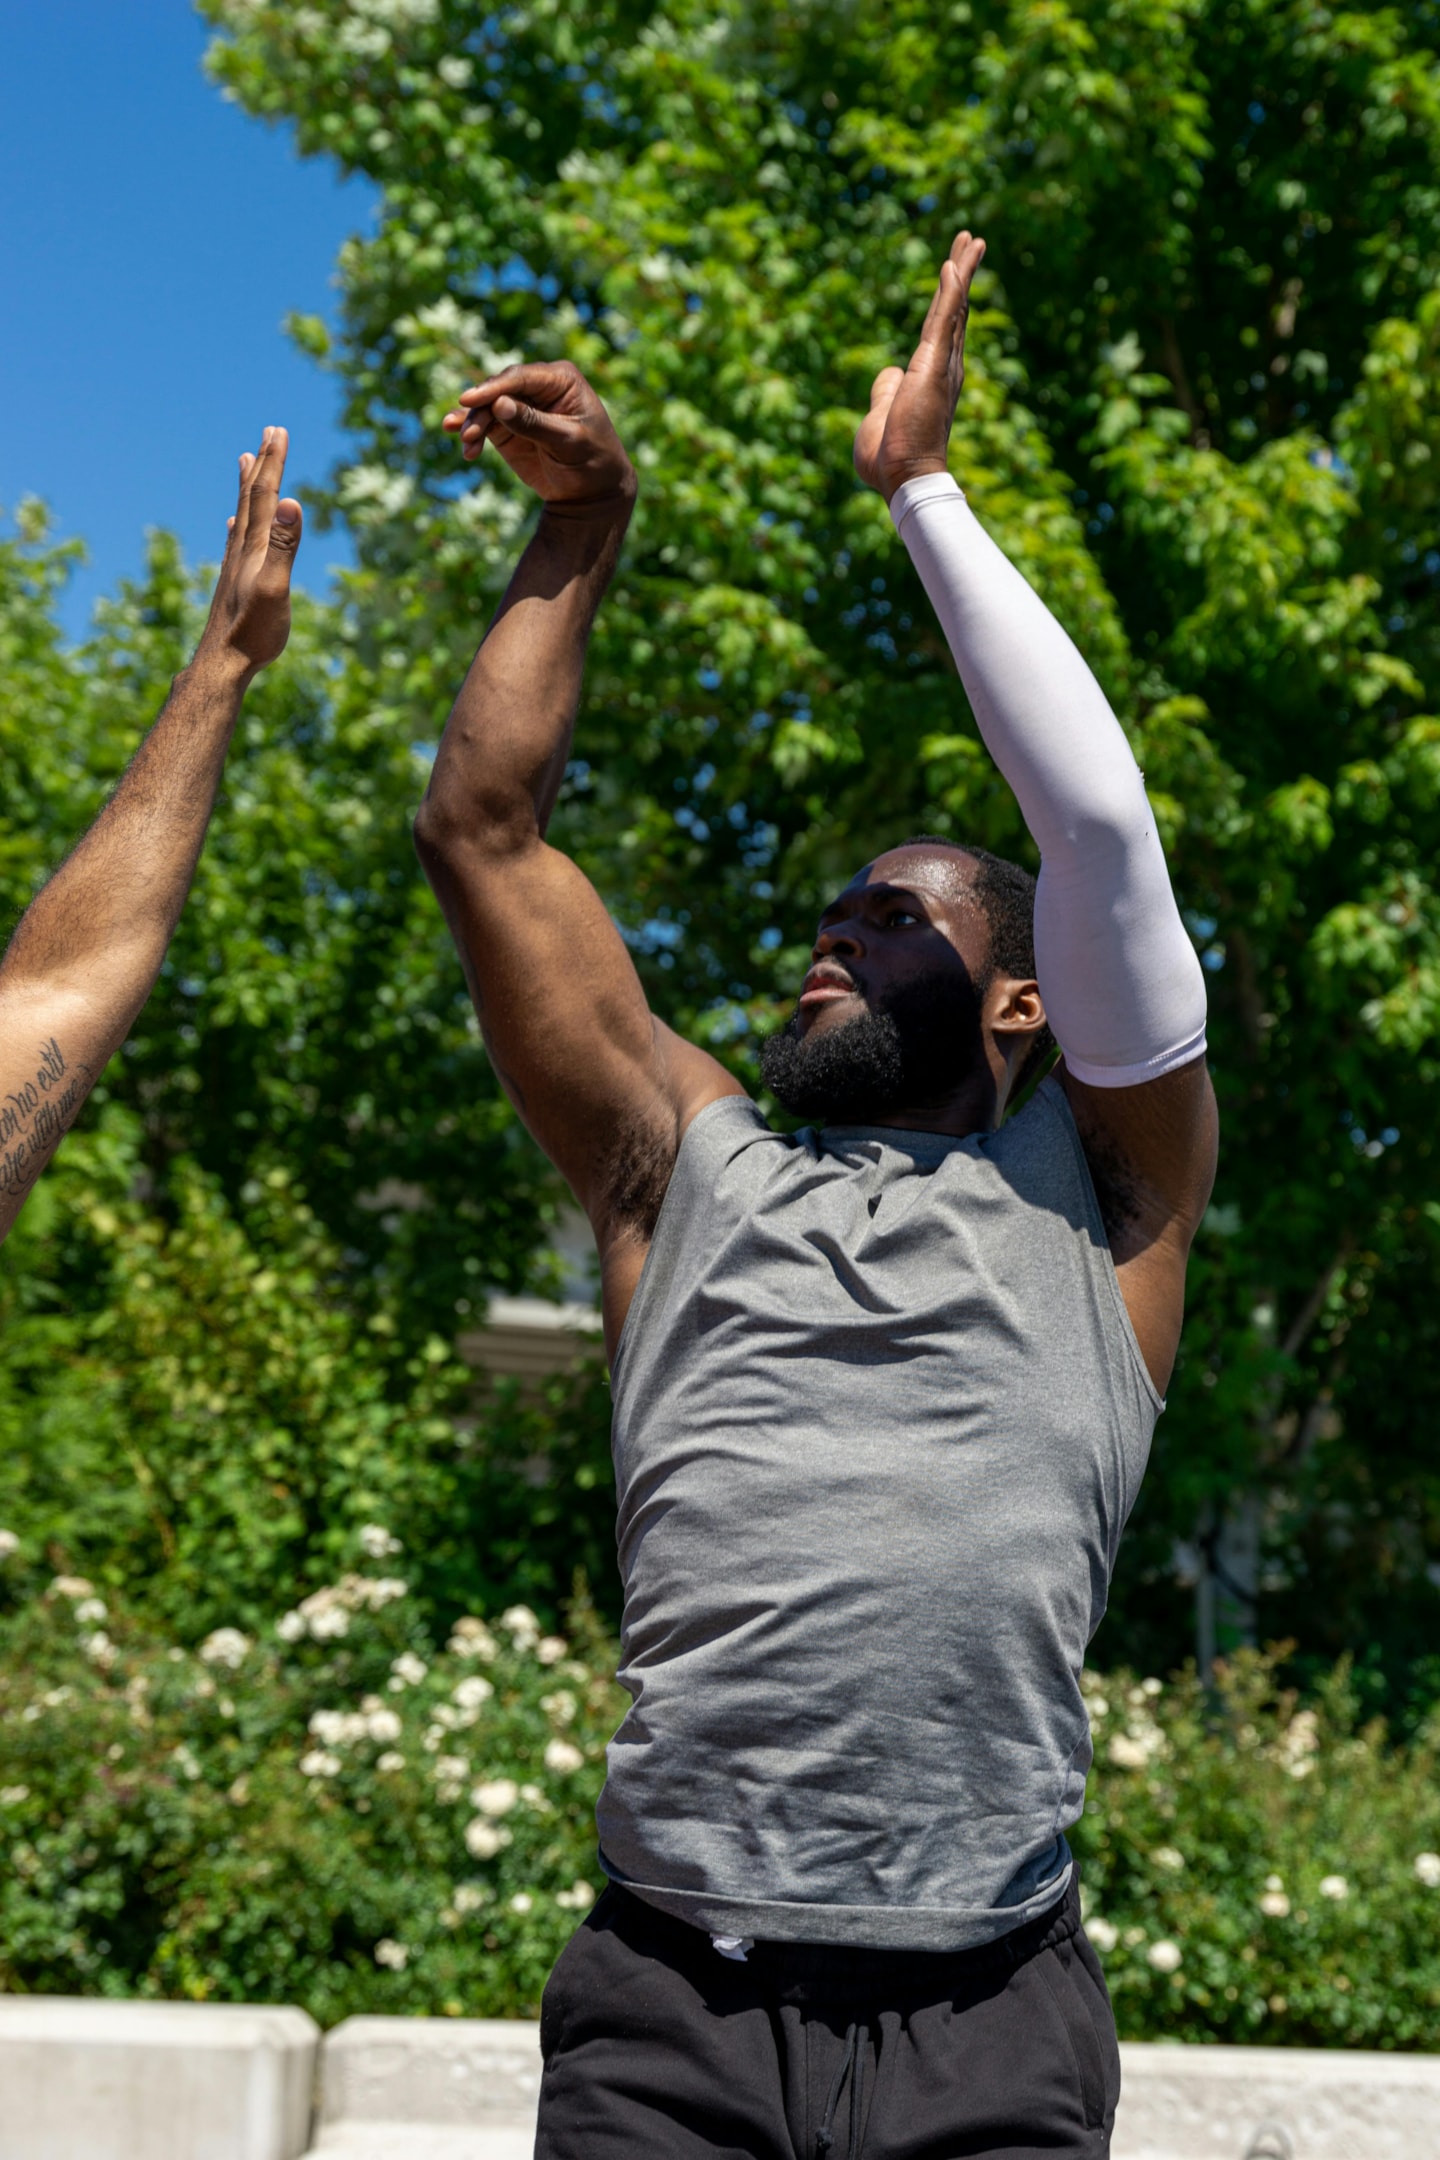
(1238, 2103)
(433, 2089)
(84, 2079)
(429, 2089)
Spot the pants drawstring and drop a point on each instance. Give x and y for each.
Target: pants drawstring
(852, 2065)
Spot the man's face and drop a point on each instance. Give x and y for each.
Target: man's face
(890, 1016)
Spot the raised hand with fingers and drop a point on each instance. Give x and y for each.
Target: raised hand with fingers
(552, 431)
(250, 610)
(907, 427)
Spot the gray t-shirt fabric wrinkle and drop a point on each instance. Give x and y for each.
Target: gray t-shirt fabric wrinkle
(879, 1419)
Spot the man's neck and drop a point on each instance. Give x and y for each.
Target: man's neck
(977, 1106)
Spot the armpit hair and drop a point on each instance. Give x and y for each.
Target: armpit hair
(640, 1170)
(1116, 1187)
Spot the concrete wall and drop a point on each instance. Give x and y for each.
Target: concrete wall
(87, 2080)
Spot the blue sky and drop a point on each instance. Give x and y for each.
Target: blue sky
(151, 239)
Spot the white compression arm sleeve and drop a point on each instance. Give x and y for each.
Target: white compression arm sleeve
(1123, 989)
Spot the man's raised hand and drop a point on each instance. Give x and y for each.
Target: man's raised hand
(907, 427)
(552, 430)
(250, 612)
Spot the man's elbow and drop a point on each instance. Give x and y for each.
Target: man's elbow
(484, 827)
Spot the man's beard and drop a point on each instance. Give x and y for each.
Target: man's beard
(923, 1043)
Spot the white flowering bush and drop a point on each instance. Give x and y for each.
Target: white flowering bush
(346, 1811)
(1255, 1869)
(337, 1810)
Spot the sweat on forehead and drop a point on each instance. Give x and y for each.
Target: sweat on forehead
(934, 863)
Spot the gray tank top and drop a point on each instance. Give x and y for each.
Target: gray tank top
(879, 1419)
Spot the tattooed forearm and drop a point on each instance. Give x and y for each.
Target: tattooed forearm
(35, 1116)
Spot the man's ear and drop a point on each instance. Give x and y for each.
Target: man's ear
(1016, 1016)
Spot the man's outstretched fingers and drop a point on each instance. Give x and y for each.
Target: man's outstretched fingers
(265, 481)
(238, 523)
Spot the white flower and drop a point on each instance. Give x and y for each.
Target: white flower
(522, 1626)
(367, 41)
(1427, 1867)
(290, 1626)
(339, 1728)
(1275, 1905)
(407, 1670)
(1103, 1933)
(1151, 1688)
(560, 1707)
(71, 1586)
(533, 1797)
(449, 1768)
(12, 1795)
(495, 1796)
(578, 1898)
(1167, 1857)
(327, 1625)
(456, 70)
(318, 1763)
(471, 1638)
(226, 1646)
(562, 1756)
(373, 491)
(1099, 1707)
(1128, 1753)
(550, 1649)
(390, 1761)
(391, 1954)
(184, 1761)
(470, 1896)
(482, 1839)
(1299, 1743)
(521, 1902)
(375, 1590)
(99, 1647)
(93, 1609)
(383, 1725)
(1164, 1956)
(472, 1691)
(9, 1544)
(1334, 1886)
(376, 1541)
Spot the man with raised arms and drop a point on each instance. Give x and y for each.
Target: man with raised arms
(883, 1388)
(86, 952)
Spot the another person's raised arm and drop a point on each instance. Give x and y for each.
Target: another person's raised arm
(1123, 989)
(86, 952)
(604, 1087)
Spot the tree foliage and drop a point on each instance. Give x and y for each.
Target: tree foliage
(1201, 416)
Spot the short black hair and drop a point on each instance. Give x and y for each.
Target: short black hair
(1006, 897)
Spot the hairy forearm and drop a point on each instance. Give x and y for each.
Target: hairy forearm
(505, 747)
(88, 950)
(98, 931)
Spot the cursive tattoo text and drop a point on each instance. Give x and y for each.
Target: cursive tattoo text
(35, 1116)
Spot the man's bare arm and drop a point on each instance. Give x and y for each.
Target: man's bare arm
(604, 1087)
(87, 951)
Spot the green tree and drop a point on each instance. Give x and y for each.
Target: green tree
(1201, 417)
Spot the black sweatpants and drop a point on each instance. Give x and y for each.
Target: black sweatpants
(657, 2048)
